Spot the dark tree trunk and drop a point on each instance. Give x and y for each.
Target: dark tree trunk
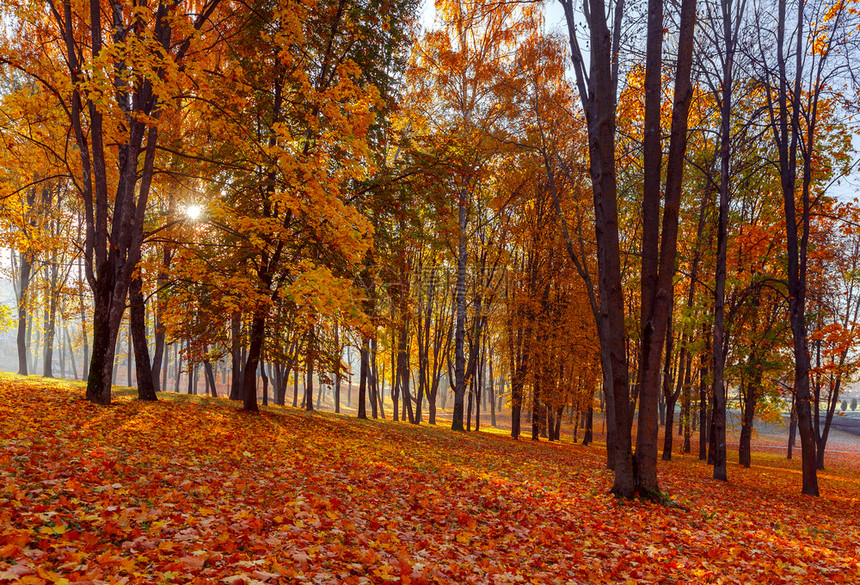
(105, 332)
(378, 408)
(460, 331)
(403, 370)
(786, 137)
(719, 344)
(210, 378)
(137, 323)
(265, 383)
(492, 393)
(470, 394)
(362, 380)
(587, 437)
(833, 400)
(597, 90)
(538, 413)
(338, 372)
(792, 429)
(309, 370)
(178, 366)
(745, 445)
(129, 356)
(236, 378)
(670, 395)
(659, 249)
(255, 351)
(192, 375)
(296, 384)
(395, 382)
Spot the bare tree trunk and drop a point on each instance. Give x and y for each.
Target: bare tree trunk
(71, 353)
(265, 383)
(178, 365)
(658, 265)
(460, 332)
(492, 396)
(309, 369)
(23, 299)
(786, 136)
(255, 352)
(51, 317)
(729, 40)
(158, 355)
(338, 374)
(703, 410)
(362, 380)
(137, 324)
(210, 378)
(236, 356)
(597, 91)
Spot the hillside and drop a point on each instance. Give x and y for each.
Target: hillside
(189, 490)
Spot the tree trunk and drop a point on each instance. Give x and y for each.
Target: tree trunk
(833, 400)
(395, 381)
(338, 373)
(588, 436)
(377, 382)
(24, 286)
(71, 353)
(296, 384)
(704, 423)
(745, 446)
(265, 383)
(178, 366)
(255, 351)
(51, 321)
(236, 379)
(107, 316)
(210, 378)
(362, 380)
(403, 370)
(658, 266)
(137, 324)
(309, 368)
(460, 332)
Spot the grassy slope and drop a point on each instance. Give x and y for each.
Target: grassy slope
(192, 491)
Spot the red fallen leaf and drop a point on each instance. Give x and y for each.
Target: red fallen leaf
(18, 538)
(541, 513)
(193, 562)
(21, 570)
(10, 550)
(302, 559)
(405, 569)
(106, 559)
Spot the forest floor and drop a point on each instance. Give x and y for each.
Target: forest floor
(189, 490)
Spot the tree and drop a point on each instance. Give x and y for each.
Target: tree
(797, 67)
(118, 77)
(455, 71)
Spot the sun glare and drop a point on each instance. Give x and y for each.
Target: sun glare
(194, 212)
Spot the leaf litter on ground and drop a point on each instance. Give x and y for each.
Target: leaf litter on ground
(191, 490)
